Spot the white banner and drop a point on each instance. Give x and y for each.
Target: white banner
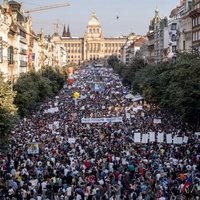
(169, 138)
(178, 140)
(160, 137)
(185, 139)
(139, 107)
(101, 120)
(145, 138)
(71, 140)
(52, 110)
(156, 121)
(152, 137)
(197, 134)
(137, 137)
(128, 115)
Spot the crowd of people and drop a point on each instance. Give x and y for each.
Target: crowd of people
(54, 155)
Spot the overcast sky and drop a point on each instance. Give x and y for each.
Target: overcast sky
(134, 15)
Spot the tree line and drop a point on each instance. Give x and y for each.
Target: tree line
(174, 85)
(29, 91)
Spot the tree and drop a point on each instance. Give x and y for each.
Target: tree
(129, 72)
(34, 87)
(174, 85)
(7, 112)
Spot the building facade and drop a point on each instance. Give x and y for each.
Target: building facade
(93, 46)
(185, 31)
(195, 16)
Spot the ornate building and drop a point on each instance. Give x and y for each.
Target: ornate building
(195, 16)
(92, 46)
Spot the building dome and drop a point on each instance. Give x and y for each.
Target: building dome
(93, 20)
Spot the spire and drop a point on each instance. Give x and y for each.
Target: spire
(64, 32)
(68, 32)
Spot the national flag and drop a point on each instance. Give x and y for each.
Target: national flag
(188, 183)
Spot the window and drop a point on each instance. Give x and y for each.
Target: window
(10, 55)
(173, 26)
(173, 37)
(173, 48)
(22, 33)
(184, 45)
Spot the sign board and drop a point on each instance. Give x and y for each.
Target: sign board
(156, 121)
(33, 148)
(71, 140)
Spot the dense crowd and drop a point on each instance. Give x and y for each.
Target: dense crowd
(53, 155)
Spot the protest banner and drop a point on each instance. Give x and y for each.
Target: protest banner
(157, 121)
(71, 140)
(169, 138)
(152, 137)
(33, 148)
(160, 137)
(145, 138)
(101, 120)
(185, 139)
(177, 140)
(137, 137)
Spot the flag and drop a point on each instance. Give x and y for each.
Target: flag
(188, 183)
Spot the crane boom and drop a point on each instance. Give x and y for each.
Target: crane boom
(47, 7)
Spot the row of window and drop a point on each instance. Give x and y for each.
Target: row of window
(196, 21)
(73, 61)
(74, 51)
(94, 30)
(196, 36)
(77, 45)
(74, 56)
(71, 45)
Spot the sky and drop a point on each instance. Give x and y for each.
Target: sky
(134, 15)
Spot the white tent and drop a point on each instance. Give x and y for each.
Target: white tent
(129, 96)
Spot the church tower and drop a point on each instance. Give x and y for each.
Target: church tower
(64, 32)
(68, 32)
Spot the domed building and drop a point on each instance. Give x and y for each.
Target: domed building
(93, 45)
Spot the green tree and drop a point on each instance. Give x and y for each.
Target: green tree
(7, 112)
(34, 87)
(174, 85)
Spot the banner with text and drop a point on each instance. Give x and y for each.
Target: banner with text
(101, 120)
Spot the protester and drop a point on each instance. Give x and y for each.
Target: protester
(53, 155)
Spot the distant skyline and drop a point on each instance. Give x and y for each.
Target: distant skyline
(117, 17)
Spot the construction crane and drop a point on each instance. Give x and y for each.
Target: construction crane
(57, 24)
(59, 5)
